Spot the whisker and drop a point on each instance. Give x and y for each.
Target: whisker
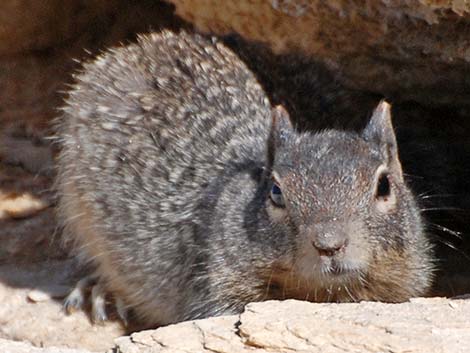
(453, 247)
(441, 209)
(269, 285)
(413, 176)
(423, 196)
(449, 244)
(446, 230)
(330, 292)
(349, 293)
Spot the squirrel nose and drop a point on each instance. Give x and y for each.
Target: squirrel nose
(329, 244)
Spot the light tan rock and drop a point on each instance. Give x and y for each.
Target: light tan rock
(20, 206)
(211, 335)
(419, 326)
(7, 346)
(424, 325)
(55, 291)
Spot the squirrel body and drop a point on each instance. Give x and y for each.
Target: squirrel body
(191, 196)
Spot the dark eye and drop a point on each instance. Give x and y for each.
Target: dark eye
(383, 186)
(276, 196)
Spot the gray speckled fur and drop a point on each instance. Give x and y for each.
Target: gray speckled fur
(164, 179)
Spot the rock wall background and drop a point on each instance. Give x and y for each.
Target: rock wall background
(417, 50)
(328, 62)
(39, 41)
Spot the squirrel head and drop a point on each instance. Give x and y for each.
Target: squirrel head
(342, 199)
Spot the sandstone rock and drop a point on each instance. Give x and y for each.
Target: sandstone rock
(422, 325)
(20, 206)
(33, 25)
(48, 292)
(410, 50)
(7, 346)
(39, 41)
(419, 326)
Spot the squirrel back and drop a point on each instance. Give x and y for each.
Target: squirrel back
(192, 196)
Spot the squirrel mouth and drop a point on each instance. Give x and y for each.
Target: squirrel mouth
(334, 268)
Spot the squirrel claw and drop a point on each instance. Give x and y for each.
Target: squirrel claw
(76, 298)
(73, 302)
(98, 304)
(122, 311)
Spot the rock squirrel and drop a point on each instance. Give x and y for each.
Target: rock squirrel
(192, 196)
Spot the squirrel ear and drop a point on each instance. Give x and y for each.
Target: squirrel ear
(380, 131)
(280, 127)
(280, 119)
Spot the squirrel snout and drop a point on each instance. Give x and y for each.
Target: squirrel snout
(329, 242)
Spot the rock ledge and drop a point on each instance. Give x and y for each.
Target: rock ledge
(419, 326)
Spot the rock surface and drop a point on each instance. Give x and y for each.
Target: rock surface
(419, 326)
(21, 347)
(411, 50)
(422, 325)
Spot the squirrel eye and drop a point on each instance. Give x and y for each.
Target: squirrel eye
(276, 196)
(383, 186)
